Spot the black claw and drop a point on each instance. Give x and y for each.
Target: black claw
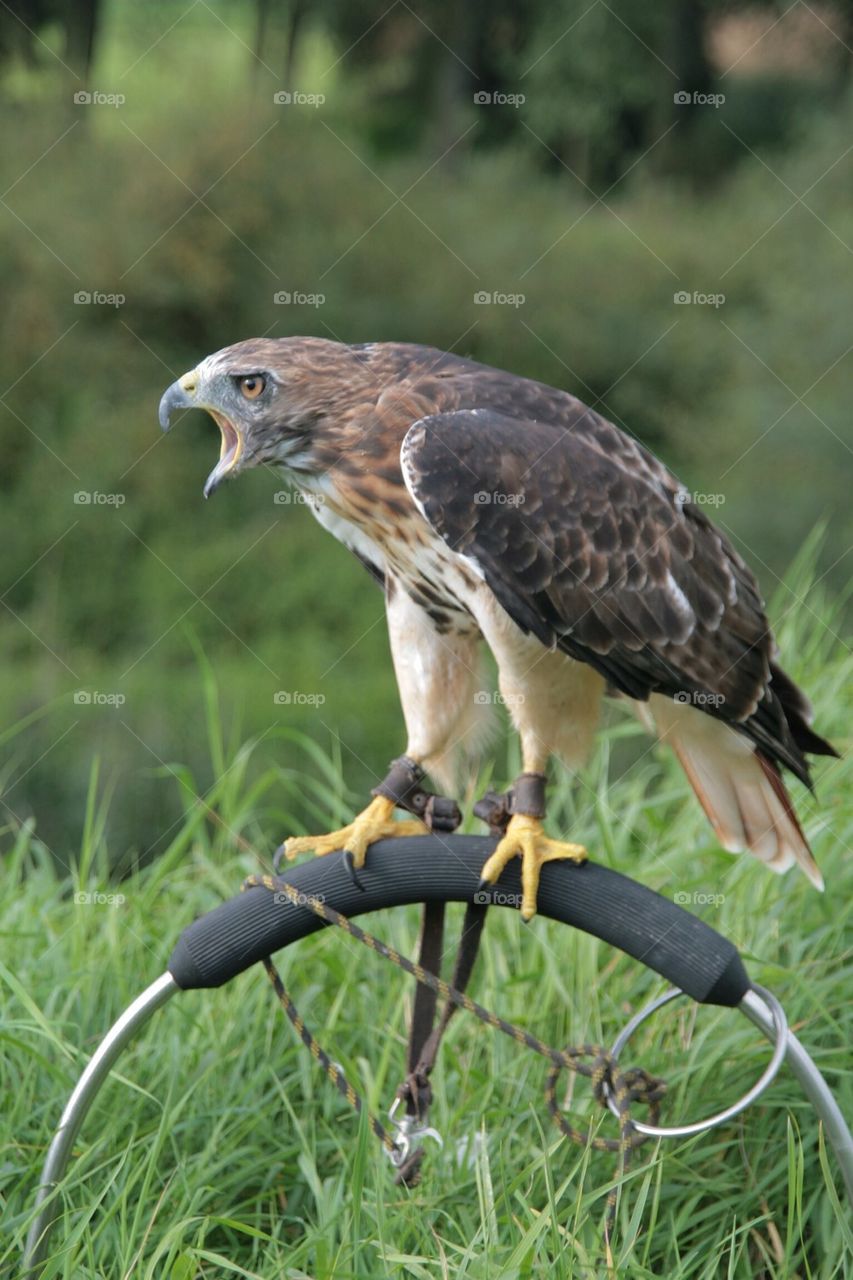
(278, 858)
(351, 871)
(483, 893)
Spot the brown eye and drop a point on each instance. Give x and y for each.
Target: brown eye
(252, 386)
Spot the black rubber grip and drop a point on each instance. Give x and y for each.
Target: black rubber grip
(653, 929)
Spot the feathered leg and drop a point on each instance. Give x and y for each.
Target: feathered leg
(554, 703)
(437, 675)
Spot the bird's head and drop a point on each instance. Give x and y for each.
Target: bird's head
(269, 398)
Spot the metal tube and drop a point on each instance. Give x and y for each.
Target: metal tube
(814, 1087)
(59, 1152)
(778, 1033)
(159, 992)
(763, 1009)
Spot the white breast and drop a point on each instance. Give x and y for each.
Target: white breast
(321, 494)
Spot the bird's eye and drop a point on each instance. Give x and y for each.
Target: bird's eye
(252, 385)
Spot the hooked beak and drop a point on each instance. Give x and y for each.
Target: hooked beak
(181, 395)
(178, 396)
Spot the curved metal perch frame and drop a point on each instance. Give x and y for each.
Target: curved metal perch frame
(699, 962)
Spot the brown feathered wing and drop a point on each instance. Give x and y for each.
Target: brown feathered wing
(600, 553)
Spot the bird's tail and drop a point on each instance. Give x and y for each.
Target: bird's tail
(740, 790)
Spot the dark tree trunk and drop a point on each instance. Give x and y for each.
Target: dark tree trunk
(845, 48)
(82, 26)
(692, 65)
(298, 12)
(694, 75)
(451, 84)
(262, 23)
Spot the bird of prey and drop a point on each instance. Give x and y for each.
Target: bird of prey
(496, 509)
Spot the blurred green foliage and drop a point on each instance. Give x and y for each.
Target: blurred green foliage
(199, 198)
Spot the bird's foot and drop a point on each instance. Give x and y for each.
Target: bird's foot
(376, 822)
(524, 836)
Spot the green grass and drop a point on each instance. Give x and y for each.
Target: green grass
(217, 1148)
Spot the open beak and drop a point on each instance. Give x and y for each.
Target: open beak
(229, 453)
(181, 395)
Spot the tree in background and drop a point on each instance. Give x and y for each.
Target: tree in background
(22, 21)
(599, 81)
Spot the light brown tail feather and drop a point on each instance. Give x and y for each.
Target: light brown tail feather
(740, 790)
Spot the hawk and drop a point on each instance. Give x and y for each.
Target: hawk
(495, 509)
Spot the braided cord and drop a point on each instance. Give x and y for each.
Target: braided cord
(608, 1077)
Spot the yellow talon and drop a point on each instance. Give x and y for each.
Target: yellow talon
(525, 836)
(373, 823)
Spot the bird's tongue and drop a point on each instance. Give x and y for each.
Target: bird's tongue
(232, 446)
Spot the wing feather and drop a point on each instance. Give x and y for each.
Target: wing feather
(589, 543)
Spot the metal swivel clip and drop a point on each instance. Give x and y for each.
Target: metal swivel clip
(408, 1135)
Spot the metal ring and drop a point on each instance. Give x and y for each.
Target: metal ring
(780, 1024)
